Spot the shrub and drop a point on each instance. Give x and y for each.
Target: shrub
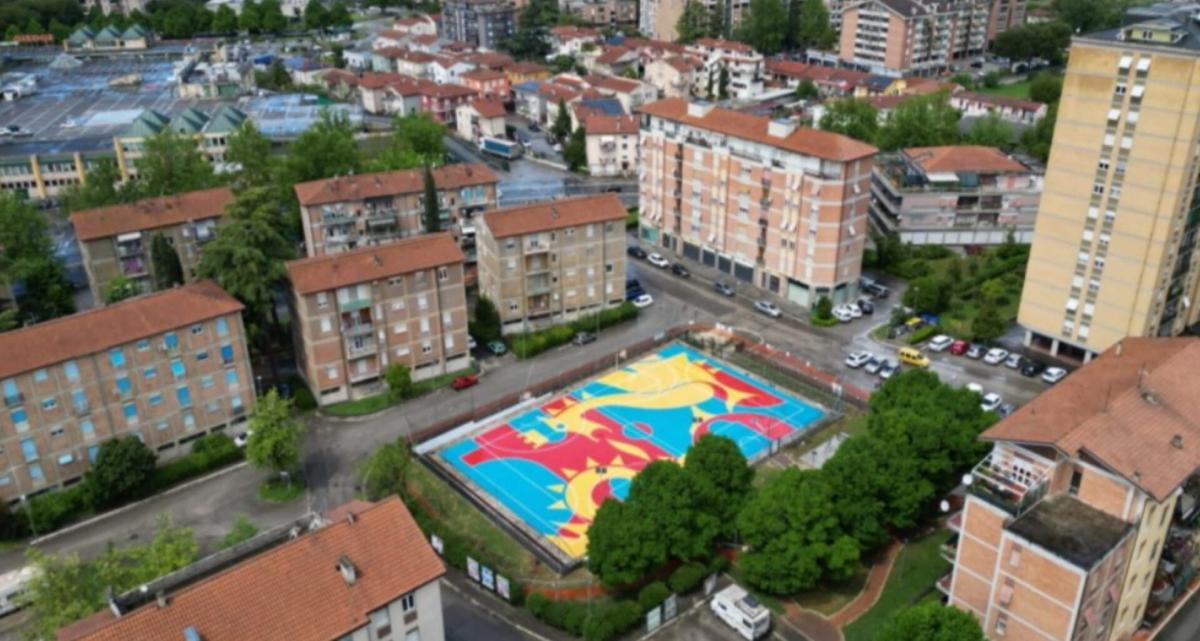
(652, 594)
(50, 511)
(718, 564)
(687, 577)
(531, 344)
(611, 621)
(302, 397)
(537, 603)
(922, 334)
(122, 471)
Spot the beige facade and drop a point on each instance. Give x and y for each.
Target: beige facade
(913, 36)
(553, 261)
(658, 19)
(612, 145)
(480, 119)
(349, 212)
(1114, 248)
(166, 367)
(359, 312)
(769, 203)
(676, 77)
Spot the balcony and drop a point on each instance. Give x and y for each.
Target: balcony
(352, 305)
(943, 584)
(536, 247)
(356, 375)
(357, 329)
(381, 217)
(357, 347)
(336, 216)
(536, 266)
(14, 400)
(133, 267)
(537, 286)
(1010, 480)
(949, 549)
(130, 249)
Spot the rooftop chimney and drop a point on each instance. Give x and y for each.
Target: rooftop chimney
(699, 109)
(781, 128)
(1177, 441)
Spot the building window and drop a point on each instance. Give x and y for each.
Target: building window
(322, 300)
(197, 329)
(206, 382)
(226, 354)
(443, 274)
(87, 428)
(326, 326)
(1014, 557)
(222, 327)
(130, 412)
(170, 340)
(71, 370)
(40, 376)
(202, 355)
(49, 403)
(149, 373)
(117, 358)
(35, 472)
(408, 602)
(143, 345)
(155, 400)
(331, 372)
(178, 370)
(381, 624)
(29, 450)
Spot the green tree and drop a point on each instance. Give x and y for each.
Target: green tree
(575, 151)
(964, 80)
(327, 148)
(806, 90)
(991, 131)
(1086, 16)
(694, 22)
(718, 26)
(250, 152)
(243, 529)
(275, 78)
(723, 83)
(920, 121)
(719, 478)
(11, 33)
(432, 218)
(101, 187)
(823, 310)
(339, 16)
(1046, 87)
(1046, 40)
(623, 545)
(385, 473)
(399, 381)
(67, 588)
(562, 123)
(1037, 139)
(764, 26)
(28, 258)
(530, 39)
(251, 18)
(225, 21)
(120, 288)
(811, 28)
(988, 324)
(929, 294)
(8, 319)
(123, 470)
(316, 17)
(275, 437)
(172, 164)
(931, 622)
(59, 30)
(852, 117)
(272, 16)
(168, 272)
(793, 536)
(417, 140)
(337, 56)
(486, 325)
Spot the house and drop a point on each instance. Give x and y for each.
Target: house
(362, 572)
(490, 60)
(1015, 110)
(586, 107)
(492, 85)
(741, 63)
(676, 76)
(525, 71)
(570, 40)
(418, 25)
(392, 93)
(612, 145)
(403, 61)
(480, 119)
(448, 69)
(830, 81)
(613, 60)
(305, 71)
(631, 93)
(357, 59)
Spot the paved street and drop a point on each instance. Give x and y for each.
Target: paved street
(1186, 624)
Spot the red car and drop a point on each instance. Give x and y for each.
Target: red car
(463, 382)
(958, 348)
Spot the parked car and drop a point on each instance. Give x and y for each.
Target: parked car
(465, 381)
(975, 387)
(680, 271)
(842, 314)
(1005, 410)
(995, 356)
(873, 365)
(912, 356)
(533, 126)
(888, 369)
(471, 344)
(1032, 368)
(241, 439)
(866, 306)
(858, 359)
(958, 348)
(768, 308)
(1014, 361)
(940, 343)
(636, 252)
(643, 301)
(498, 348)
(991, 401)
(876, 290)
(722, 288)
(657, 260)
(1053, 375)
(976, 351)
(854, 310)
(583, 338)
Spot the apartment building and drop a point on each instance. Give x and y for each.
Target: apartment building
(612, 145)
(1004, 15)
(743, 65)
(676, 76)
(211, 132)
(167, 368)
(605, 12)
(770, 203)
(954, 195)
(913, 37)
(41, 176)
(364, 572)
(1080, 524)
(115, 240)
(1114, 248)
(348, 212)
(554, 261)
(657, 19)
(483, 23)
(361, 311)
(480, 119)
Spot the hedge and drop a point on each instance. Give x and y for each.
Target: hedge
(531, 344)
(687, 577)
(922, 334)
(823, 322)
(601, 621)
(652, 594)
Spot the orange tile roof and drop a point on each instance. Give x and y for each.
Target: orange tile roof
(725, 44)
(389, 183)
(295, 590)
(1135, 410)
(812, 142)
(526, 68)
(101, 328)
(323, 273)
(488, 108)
(403, 53)
(553, 214)
(568, 32)
(601, 125)
(612, 83)
(491, 59)
(975, 158)
(482, 75)
(613, 54)
(151, 213)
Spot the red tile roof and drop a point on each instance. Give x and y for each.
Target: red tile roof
(488, 108)
(971, 158)
(601, 125)
(812, 142)
(402, 53)
(151, 213)
(482, 75)
(613, 55)
(612, 83)
(1134, 410)
(571, 32)
(553, 214)
(522, 68)
(102, 328)
(815, 73)
(389, 183)
(491, 59)
(295, 590)
(323, 273)
(730, 45)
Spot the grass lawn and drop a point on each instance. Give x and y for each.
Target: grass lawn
(380, 402)
(276, 491)
(1015, 90)
(916, 569)
(828, 600)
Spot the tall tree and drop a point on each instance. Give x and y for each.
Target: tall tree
(1037, 139)
(102, 186)
(385, 473)
(920, 121)
(932, 622)
(1086, 16)
(275, 437)
(225, 21)
(806, 90)
(991, 131)
(852, 117)
(764, 26)
(417, 140)
(171, 164)
(124, 470)
(485, 327)
(718, 19)
(272, 16)
(810, 25)
(164, 260)
(119, 289)
(694, 22)
(1046, 87)
(250, 20)
(325, 149)
(27, 257)
(531, 40)
(719, 477)
(562, 123)
(723, 83)
(316, 17)
(433, 206)
(339, 16)
(250, 151)
(575, 151)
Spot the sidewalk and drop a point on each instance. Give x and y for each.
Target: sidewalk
(518, 618)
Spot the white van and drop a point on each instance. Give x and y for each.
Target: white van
(12, 586)
(742, 612)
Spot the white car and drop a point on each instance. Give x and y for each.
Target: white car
(855, 310)
(658, 261)
(888, 369)
(857, 359)
(643, 301)
(768, 308)
(940, 343)
(1053, 375)
(995, 356)
(1014, 361)
(842, 314)
(991, 401)
(873, 365)
(975, 387)
(241, 439)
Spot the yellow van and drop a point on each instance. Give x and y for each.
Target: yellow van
(914, 357)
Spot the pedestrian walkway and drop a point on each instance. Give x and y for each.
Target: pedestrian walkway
(818, 627)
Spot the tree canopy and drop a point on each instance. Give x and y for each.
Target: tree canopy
(171, 163)
(991, 131)
(1045, 40)
(852, 117)
(920, 121)
(417, 140)
(28, 258)
(932, 622)
(275, 437)
(764, 26)
(327, 148)
(530, 40)
(120, 288)
(168, 272)
(694, 22)
(810, 27)
(385, 472)
(124, 470)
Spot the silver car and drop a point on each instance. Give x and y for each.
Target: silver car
(768, 308)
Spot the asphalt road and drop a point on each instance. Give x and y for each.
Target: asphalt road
(1186, 624)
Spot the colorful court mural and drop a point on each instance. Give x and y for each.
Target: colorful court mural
(553, 465)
